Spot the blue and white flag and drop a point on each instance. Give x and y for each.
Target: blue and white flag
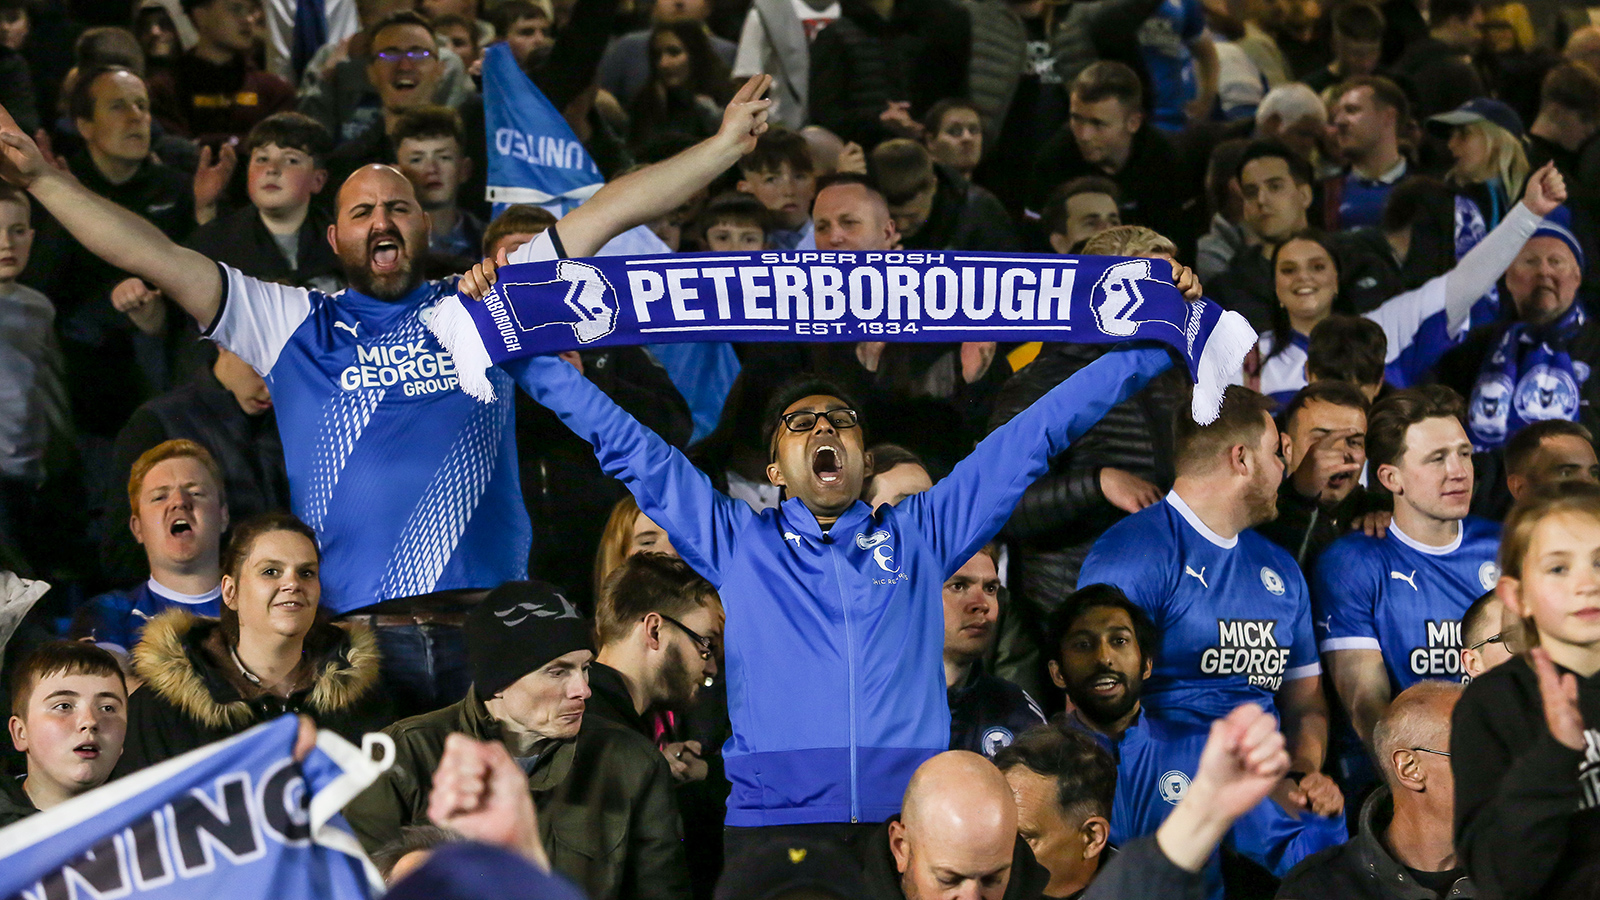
(535, 158)
(237, 819)
(938, 296)
(533, 155)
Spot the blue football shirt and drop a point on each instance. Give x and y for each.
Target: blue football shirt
(1234, 613)
(1404, 598)
(1156, 761)
(116, 619)
(410, 484)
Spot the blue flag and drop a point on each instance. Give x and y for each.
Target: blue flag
(533, 155)
(236, 819)
(535, 158)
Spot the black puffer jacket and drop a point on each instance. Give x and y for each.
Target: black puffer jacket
(193, 693)
(1061, 514)
(861, 62)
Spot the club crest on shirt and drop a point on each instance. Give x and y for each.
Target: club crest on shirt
(1272, 581)
(1488, 575)
(1174, 786)
(995, 739)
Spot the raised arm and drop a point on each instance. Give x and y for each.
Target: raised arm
(109, 231)
(654, 191)
(968, 508)
(702, 522)
(1402, 317)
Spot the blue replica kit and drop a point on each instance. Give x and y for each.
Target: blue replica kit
(1234, 614)
(116, 619)
(1404, 598)
(835, 639)
(1156, 761)
(410, 484)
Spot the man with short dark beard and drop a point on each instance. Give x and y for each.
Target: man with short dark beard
(658, 624)
(411, 484)
(1100, 652)
(1233, 607)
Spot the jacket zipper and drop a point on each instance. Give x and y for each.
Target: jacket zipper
(850, 681)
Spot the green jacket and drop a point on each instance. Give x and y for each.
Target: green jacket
(607, 813)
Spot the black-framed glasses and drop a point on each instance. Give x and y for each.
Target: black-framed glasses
(805, 420)
(704, 643)
(1444, 753)
(415, 54)
(1491, 639)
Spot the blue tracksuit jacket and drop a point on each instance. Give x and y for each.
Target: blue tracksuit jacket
(835, 639)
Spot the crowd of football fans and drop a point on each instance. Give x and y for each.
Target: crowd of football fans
(207, 523)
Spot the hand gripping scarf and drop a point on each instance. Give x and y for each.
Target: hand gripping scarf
(948, 296)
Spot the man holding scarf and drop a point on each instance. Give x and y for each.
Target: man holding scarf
(835, 631)
(410, 484)
(1536, 364)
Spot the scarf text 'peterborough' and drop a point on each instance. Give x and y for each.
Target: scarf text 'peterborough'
(814, 296)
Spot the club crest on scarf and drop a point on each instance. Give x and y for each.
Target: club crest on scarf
(1529, 377)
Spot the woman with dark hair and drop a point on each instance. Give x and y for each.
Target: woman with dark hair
(1420, 324)
(689, 85)
(272, 651)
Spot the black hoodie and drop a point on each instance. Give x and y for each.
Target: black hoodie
(1527, 807)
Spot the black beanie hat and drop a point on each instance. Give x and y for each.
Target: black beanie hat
(520, 627)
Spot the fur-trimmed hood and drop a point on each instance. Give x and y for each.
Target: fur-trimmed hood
(172, 660)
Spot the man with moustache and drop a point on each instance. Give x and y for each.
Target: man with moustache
(1098, 645)
(410, 483)
(1326, 423)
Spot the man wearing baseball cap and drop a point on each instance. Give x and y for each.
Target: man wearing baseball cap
(1536, 365)
(607, 815)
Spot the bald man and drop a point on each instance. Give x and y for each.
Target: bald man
(955, 838)
(1405, 845)
(411, 484)
(850, 214)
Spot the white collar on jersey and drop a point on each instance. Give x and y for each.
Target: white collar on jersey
(1195, 523)
(1413, 543)
(166, 593)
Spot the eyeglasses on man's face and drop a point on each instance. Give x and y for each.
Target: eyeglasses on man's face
(805, 420)
(1491, 639)
(415, 54)
(703, 643)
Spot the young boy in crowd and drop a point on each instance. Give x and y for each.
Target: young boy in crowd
(1348, 348)
(69, 716)
(733, 223)
(29, 365)
(516, 225)
(281, 236)
(778, 173)
(461, 35)
(430, 150)
(527, 30)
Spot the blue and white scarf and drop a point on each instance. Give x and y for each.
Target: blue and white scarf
(1529, 377)
(949, 296)
(238, 819)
